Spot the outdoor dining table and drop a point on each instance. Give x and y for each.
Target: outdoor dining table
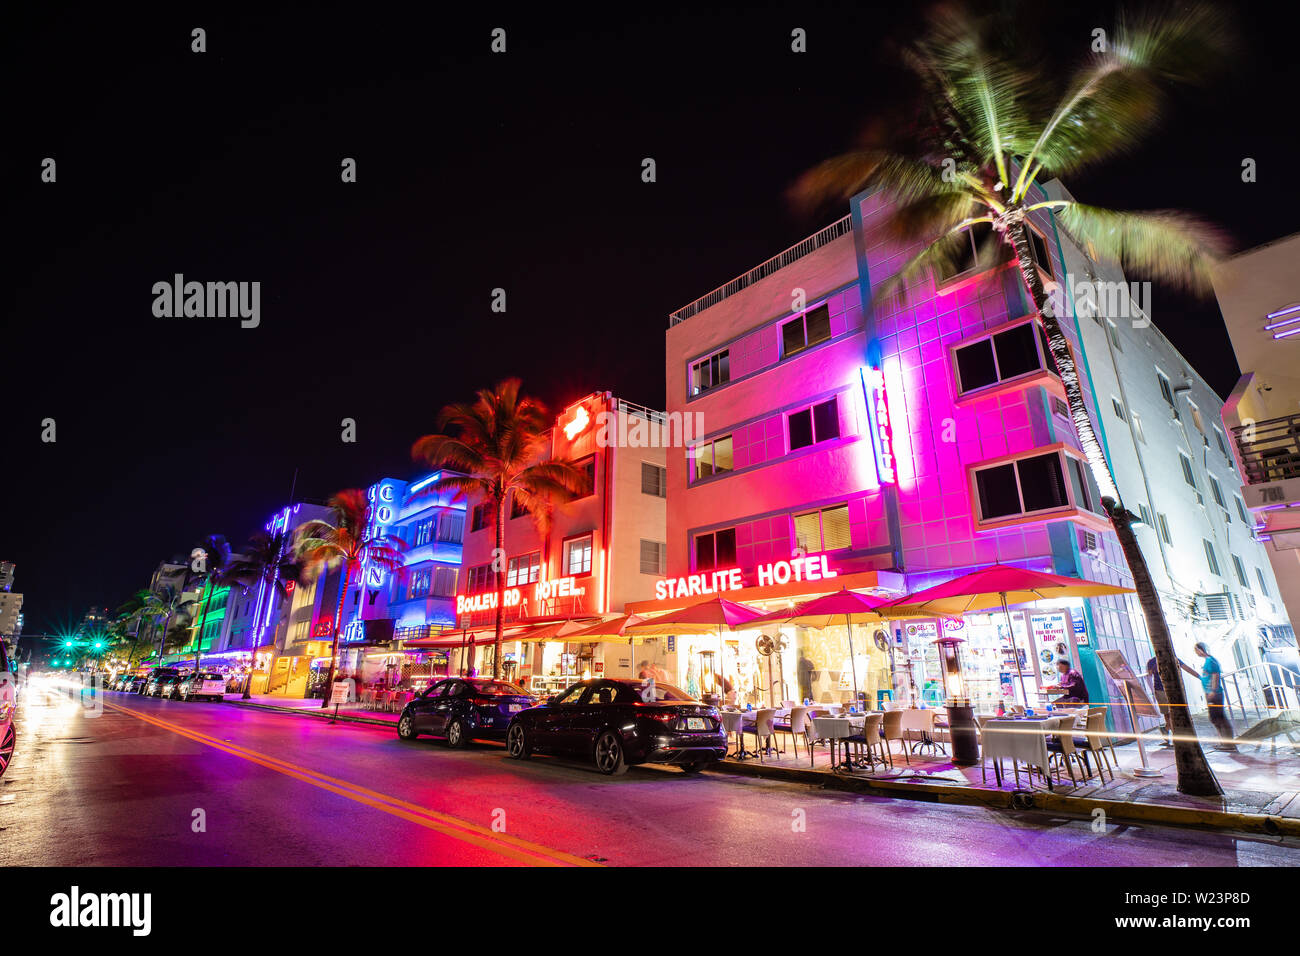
(1022, 739)
(836, 729)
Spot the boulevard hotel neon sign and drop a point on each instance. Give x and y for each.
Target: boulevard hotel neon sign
(513, 597)
(812, 568)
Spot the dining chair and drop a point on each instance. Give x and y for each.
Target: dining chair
(984, 750)
(733, 723)
(921, 723)
(797, 727)
(870, 739)
(1095, 742)
(764, 729)
(891, 728)
(1061, 749)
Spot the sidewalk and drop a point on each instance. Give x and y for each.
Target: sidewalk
(1261, 785)
(310, 707)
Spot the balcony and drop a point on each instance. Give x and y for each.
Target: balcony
(1274, 453)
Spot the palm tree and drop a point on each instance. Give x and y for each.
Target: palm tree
(499, 448)
(269, 562)
(217, 562)
(166, 605)
(349, 539)
(993, 126)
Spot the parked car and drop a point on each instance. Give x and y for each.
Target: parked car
(162, 685)
(616, 723)
(462, 709)
(124, 682)
(135, 685)
(209, 684)
(8, 700)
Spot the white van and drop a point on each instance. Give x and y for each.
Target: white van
(8, 700)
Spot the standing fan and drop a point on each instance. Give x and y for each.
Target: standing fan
(767, 646)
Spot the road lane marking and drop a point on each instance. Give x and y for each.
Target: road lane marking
(525, 851)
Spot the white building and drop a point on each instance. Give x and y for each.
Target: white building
(1259, 294)
(1160, 425)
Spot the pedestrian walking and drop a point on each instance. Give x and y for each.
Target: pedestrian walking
(1212, 684)
(1162, 699)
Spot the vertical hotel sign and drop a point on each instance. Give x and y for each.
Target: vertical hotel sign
(882, 429)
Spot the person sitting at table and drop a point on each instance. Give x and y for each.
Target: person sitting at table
(1071, 684)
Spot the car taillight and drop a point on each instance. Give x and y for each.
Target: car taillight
(663, 716)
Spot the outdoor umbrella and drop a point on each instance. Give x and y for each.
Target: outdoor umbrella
(849, 607)
(999, 585)
(707, 617)
(615, 627)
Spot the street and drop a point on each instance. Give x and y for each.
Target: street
(158, 782)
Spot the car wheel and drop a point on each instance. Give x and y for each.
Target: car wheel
(517, 742)
(406, 727)
(694, 766)
(609, 754)
(456, 735)
(7, 748)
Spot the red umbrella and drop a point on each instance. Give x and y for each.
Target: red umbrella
(716, 614)
(1000, 584)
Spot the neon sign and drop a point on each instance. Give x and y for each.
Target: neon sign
(580, 421)
(811, 568)
(882, 429)
(513, 597)
(354, 631)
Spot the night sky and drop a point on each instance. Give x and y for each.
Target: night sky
(475, 171)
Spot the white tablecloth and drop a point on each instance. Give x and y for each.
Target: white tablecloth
(1024, 740)
(836, 728)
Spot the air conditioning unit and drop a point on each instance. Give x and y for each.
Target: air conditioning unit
(1088, 542)
(1214, 607)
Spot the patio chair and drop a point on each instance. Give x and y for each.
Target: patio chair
(1061, 750)
(1095, 741)
(733, 723)
(870, 739)
(764, 729)
(797, 727)
(891, 728)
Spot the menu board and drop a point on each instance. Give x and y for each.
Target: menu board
(1119, 671)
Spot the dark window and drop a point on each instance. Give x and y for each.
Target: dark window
(517, 508)
(975, 365)
(1079, 485)
(1039, 249)
(1162, 523)
(801, 429)
(817, 424)
(1017, 354)
(711, 372)
(978, 249)
(792, 337)
(1041, 482)
(588, 467)
(715, 550)
(1188, 476)
(1211, 558)
(479, 517)
(653, 557)
(654, 480)
(997, 491)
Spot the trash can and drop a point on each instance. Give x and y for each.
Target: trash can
(963, 734)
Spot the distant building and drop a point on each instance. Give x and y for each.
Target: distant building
(1259, 294)
(11, 604)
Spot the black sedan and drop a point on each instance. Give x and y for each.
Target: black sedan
(463, 708)
(616, 723)
(162, 685)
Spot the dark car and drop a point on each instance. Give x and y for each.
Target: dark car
(135, 685)
(616, 723)
(162, 685)
(463, 708)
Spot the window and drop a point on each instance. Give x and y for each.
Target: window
(1211, 558)
(1023, 486)
(1039, 249)
(419, 584)
(812, 425)
(809, 329)
(572, 696)
(1167, 390)
(1114, 335)
(1223, 445)
(423, 533)
(480, 517)
(1240, 569)
(717, 549)
(577, 556)
(1005, 355)
(654, 480)
(1218, 493)
(1263, 588)
(1188, 475)
(711, 372)
(517, 508)
(824, 530)
(479, 579)
(1241, 510)
(712, 458)
(524, 569)
(978, 249)
(444, 582)
(1137, 426)
(1119, 408)
(654, 557)
(1162, 524)
(451, 527)
(1147, 518)
(588, 467)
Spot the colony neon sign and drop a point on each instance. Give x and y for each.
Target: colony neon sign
(811, 568)
(513, 597)
(882, 429)
(579, 422)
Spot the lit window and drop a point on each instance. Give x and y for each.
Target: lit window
(712, 458)
(423, 533)
(524, 569)
(577, 556)
(811, 328)
(711, 372)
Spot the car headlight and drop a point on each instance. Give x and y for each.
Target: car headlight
(5, 710)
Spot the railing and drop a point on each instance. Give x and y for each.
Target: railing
(1264, 688)
(1272, 452)
(649, 414)
(814, 242)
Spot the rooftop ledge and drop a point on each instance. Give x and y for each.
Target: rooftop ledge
(841, 227)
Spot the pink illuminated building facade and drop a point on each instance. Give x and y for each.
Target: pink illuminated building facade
(925, 435)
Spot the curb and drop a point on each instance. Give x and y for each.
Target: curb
(322, 713)
(1115, 811)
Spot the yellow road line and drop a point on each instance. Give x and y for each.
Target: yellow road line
(513, 847)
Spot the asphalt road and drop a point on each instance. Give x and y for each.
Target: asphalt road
(152, 782)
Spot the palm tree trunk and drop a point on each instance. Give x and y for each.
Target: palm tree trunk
(338, 620)
(1194, 774)
(203, 620)
(499, 556)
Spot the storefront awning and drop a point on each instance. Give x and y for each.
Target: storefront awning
(478, 637)
(796, 590)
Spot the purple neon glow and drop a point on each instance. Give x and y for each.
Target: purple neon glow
(1282, 335)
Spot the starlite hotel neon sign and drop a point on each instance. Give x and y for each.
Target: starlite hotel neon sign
(876, 397)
